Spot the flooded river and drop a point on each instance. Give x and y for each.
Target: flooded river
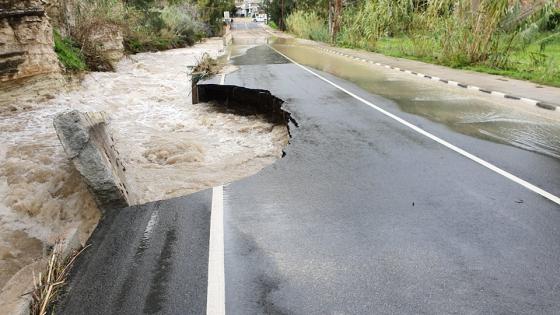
(169, 147)
(467, 112)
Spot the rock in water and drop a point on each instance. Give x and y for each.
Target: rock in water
(92, 151)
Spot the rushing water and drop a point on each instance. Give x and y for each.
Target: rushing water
(464, 111)
(169, 147)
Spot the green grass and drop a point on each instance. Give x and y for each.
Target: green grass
(68, 53)
(272, 24)
(526, 64)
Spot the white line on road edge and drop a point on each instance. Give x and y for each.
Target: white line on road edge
(464, 153)
(216, 296)
(216, 292)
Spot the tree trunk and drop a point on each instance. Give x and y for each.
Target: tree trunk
(282, 26)
(331, 15)
(337, 17)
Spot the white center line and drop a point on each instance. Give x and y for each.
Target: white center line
(216, 297)
(464, 153)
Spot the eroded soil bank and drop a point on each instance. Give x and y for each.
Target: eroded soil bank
(169, 147)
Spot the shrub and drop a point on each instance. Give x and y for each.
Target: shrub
(553, 22)
(154, 28)
(180, 20)
(68, 53)
(272, 24)
(307, 25)
(95, 21)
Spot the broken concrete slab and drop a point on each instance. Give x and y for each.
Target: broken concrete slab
(244, 100)
(92, 151)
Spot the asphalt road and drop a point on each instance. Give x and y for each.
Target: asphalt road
(363, 215)
(245, 24)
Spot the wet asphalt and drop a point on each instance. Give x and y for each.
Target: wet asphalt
(148, 259)
(361, 216)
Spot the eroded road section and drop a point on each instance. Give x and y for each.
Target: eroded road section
(363, 215)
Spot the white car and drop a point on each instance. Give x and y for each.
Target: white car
(260, 18)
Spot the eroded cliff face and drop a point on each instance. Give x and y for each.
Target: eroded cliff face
(29, 67)
(26, 41)
(61, 13)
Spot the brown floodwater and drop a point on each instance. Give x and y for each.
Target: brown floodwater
(169, 147)
(464, 111)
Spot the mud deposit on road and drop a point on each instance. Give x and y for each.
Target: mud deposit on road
(489, 118)
(169, 147)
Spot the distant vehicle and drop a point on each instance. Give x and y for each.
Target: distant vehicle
(260, 18)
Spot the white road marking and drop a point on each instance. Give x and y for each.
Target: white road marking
(216, 296)
(421, 131)
(528, 100)
(498, 93)
(453, 83)
(216, 292)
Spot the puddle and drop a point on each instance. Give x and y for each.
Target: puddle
(460, 110)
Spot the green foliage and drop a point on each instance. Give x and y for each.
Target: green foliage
(68, 53)
(174, 25)
(274, 9)
(179, 20)
(94, 22)
(272, 24)
(212, 13)
(146, 25)
(553, 21)
(307, 25)
(511, 36)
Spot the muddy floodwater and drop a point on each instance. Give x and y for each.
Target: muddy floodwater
(493, 119)
(169, 148)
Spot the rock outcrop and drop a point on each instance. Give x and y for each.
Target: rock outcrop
(108, 43)
(26, 41)
(92, 151)
(61, 13)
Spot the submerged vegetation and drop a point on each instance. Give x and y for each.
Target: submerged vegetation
(145, 25)
(516, 38)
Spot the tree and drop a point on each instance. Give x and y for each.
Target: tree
(212, 12)
(336, 17)
(278, 10)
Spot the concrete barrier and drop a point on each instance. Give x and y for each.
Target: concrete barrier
(92, 151)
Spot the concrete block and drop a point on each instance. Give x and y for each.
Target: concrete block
(92, 151)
